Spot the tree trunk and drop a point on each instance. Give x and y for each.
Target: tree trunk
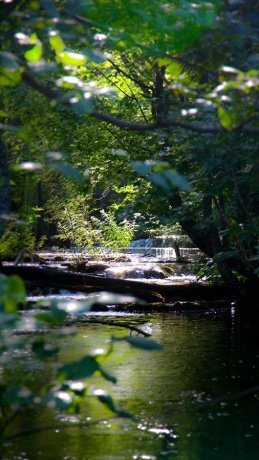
(4, 187)
(39, 221)
(208, 241)
(150, 292)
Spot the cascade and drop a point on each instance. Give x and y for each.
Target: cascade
(161, 247)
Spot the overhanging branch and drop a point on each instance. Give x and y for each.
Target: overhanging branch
(125, 124)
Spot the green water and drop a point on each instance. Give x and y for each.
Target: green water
(190, 400)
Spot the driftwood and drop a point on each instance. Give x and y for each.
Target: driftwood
(42, 276)
(34, 257)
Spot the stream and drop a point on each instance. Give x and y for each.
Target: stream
(197, 399)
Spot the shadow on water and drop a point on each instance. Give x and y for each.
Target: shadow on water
(197, 399)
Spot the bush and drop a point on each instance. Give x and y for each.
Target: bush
(16, 237)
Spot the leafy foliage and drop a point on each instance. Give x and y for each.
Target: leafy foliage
(171, 89)
(78, 224)
(69, 386)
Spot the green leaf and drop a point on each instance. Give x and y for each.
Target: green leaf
(34, 54)
(80, 369)
(142, 167)
(12, 293)
(82, 105)
(28, 166)
(164, 61)
(108, 376)
(66, 306)
(68, 170)
(106, 399)
(56, 43)
(225, 255)
(54, 316)
(168, 179)
(139, 342)
(70, 58)
(17, 395)
(161, 175)
(10, 78)
(110, 298)
(42, 349)
(20, 131)
(95, 56)
(61, 400)
(50, 8)
(8, 61)
(143, 343)
(174, 69)
(69, 81)
(225, 119)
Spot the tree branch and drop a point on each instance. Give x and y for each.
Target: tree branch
(124, 124)
(113, 323)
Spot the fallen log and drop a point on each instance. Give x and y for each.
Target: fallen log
(153, 292)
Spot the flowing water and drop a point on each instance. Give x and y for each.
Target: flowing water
(197, 399)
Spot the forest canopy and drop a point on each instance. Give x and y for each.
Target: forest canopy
(135, 114)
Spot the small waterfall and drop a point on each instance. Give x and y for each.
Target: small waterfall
(166, 247)
(159, 246)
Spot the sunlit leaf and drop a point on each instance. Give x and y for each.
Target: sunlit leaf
(56, 42)
(225, 118)
(106, 91)
(28, 166)
(54, 156)
(12, 292)
(174, 69)
(10, 78)
(69, 81)
(230, 70)
(58, 400)
(34, 54)
(109, 298)
(69, 306)
(164, 61)
(70, 58)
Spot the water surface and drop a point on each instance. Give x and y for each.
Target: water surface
(197, 399)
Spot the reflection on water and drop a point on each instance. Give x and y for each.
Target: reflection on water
(195, 400)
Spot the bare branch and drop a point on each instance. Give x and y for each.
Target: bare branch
(146, 88)
(113, 323)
